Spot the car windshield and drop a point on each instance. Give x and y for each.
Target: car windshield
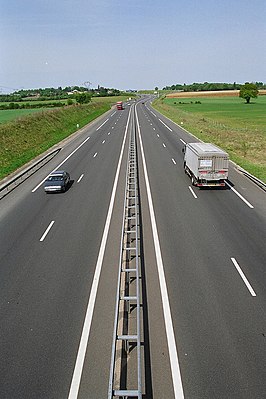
(55, 178)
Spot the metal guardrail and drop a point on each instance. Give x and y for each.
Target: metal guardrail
(255, 180)
(7, 187)
(127, 331)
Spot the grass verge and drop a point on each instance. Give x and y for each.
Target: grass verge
(227, 122)
(23, 139)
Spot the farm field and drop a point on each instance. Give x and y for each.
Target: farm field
(227, 121)
(24, 138)
(11, 114)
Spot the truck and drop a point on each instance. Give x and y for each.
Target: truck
(119, 105)
(206, 164)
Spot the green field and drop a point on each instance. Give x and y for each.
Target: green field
(11, 114)
(23, 138)
(238, 128)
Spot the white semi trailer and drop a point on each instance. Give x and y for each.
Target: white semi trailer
(206, 164)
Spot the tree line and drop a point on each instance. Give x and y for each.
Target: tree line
(51, 93)
(206, 86)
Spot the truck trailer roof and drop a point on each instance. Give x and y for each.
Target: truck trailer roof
(206, 149)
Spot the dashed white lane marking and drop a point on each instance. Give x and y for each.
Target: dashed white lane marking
(95, 155)
(58, 166)
(47, 230)
(109, 133)
(182, 141)
(102, 124)
(165, 125)
(103, 141)
(153, 114)
(192, 192)
(76, 378)
(113, 113)
(238, 268)
(158, 135)
(239, 195)
(80, 178)
(174, 361)
(174, 162)
(154, 128)
(164, 145)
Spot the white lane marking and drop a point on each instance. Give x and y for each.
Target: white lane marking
(158, 135)
(164, 145)
(47, 231)
(102, 124)
(154, 128)
(108, 133)
(153, 114)
(192, 192)
(182, 141)
(112, 127)
(75, 383)
(239, 195)
(80, 178)
(103, 141)
(176, 375)
(112, 113)
(165, 125)
(95, 155)
(174, 162)
(151, 124)
(238, 268)
(58, 166)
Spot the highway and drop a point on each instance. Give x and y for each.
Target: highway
(203, 271)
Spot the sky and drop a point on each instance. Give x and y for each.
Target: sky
(137, 44)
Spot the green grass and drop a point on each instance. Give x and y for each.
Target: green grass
(11, 114)
(237, 127)
(23, 139)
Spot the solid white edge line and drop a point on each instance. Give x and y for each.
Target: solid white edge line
(102, 124)
(243, 277)
(75, 383)
(192, 192)
(47, 231)
(175, 369)
(165, 125)
(58, 166)
(239, 195)
(81, 176)
(182, 141)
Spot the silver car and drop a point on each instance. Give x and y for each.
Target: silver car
(57, 181)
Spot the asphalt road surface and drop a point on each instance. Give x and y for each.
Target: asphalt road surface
(203, 271)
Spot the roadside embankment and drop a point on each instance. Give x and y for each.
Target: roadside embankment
(25, 138)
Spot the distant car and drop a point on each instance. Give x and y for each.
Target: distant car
(57, 181)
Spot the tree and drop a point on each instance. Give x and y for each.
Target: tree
(248, 91)
(83, 98)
